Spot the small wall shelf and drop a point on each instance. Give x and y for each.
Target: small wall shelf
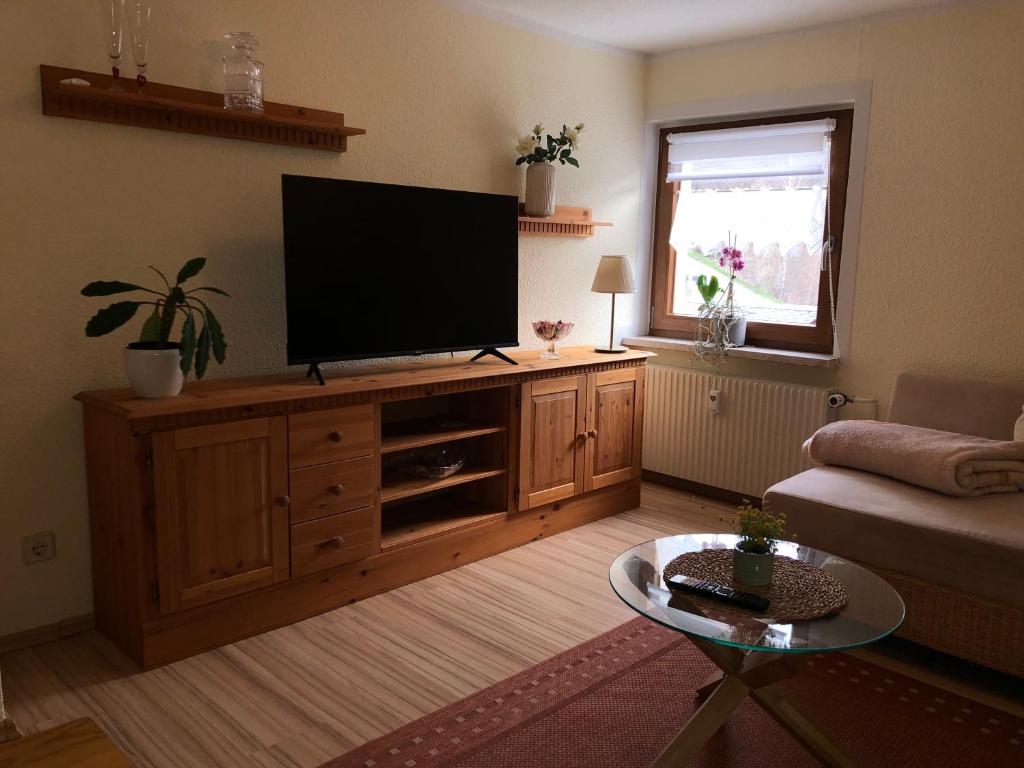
(186, 110)
(567, 221)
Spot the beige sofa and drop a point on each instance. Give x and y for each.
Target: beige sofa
(957, 562)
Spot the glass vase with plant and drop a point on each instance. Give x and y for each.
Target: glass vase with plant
(759, 530)
(540, 151)
(156, 366)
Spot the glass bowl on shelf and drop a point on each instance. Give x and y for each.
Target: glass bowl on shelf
(549, 331)
(436, 464)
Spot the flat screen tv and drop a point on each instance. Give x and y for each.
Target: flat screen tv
(381, 270)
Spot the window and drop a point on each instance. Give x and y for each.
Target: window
(778, 186)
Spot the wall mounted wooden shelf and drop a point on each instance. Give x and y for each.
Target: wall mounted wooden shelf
(567, 221)
(186, 110)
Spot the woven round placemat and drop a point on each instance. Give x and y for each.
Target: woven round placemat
(799, 591)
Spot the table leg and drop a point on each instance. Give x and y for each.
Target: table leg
(757, 674)
(776, 702)
(704, 723)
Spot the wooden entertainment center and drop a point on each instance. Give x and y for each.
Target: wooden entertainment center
(246, 504)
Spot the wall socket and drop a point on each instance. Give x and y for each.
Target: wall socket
(38, 547)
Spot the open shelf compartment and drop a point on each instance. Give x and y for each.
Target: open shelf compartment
(433, 516)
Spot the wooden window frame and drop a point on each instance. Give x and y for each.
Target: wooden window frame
(816, 338)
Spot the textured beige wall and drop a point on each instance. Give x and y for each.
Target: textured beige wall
(941, 264)
(443, 96)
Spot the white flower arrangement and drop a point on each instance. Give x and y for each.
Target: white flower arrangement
(538, 148)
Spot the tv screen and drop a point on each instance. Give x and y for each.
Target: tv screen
(376, 270)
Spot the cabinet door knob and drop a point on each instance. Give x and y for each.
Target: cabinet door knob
(337, 489)
(335, 542)
(592, 433)
(581, 436)
(335, 436)
(282, 501)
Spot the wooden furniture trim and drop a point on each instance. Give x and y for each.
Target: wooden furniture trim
(567, 221)
(409, 487)
(187, 110)
(77, 744)
(404, 442)
(486, 522)
(173, 594)
(816, 338)
(529, 497)
(232, 399)
(184, 633)
(636, 377)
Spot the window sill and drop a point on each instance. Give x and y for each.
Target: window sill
(813, 359)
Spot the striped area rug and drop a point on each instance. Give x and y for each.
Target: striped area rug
(617, 700)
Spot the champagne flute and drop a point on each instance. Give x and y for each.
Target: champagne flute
(140, 39)
(115, 39)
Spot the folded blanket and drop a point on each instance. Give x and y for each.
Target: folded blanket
(957, 465)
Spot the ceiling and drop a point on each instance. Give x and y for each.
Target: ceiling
(652, 26)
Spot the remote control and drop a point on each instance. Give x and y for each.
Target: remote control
(718, 592)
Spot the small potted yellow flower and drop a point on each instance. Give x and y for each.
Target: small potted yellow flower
(754, 555)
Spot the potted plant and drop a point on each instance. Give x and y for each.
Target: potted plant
(733, 323)
(540, 153)
(708, 289)
(155, 365)
(754, 554)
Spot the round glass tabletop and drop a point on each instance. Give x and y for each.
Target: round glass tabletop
(874, 609)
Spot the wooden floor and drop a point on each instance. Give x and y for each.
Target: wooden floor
(303, 694)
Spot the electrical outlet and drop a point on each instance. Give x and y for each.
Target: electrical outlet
(38, 547)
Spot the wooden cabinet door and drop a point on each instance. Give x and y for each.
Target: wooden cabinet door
(614, 426)
(221, 510)
(551, 440)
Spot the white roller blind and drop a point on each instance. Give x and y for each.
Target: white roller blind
(785, 149)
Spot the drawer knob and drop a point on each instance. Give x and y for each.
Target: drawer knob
(335, 436)
(335, 542)
(282, 501)
(592, 433)
(337, 489)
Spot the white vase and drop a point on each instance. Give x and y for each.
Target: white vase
(154, 369)
(540, 190)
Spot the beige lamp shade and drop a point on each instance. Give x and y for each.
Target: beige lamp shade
(614, 275)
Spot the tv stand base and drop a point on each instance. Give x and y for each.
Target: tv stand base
(492, 351)
(314, 370)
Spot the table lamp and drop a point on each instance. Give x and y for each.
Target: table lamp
(614, 275)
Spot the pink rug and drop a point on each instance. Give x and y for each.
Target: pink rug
(617, 700)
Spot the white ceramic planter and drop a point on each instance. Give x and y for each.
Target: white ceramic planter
(154, 371)
(752, 568)
(540, 190)
(738, 331)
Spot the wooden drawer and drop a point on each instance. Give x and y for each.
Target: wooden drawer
(323, 436)
(334, 540)
(328, 489)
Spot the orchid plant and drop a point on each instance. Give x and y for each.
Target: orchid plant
(540, 148)
(730, 257)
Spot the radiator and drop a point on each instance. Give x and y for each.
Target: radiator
(752, 442)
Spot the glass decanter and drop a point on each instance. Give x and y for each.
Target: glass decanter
(243, 74)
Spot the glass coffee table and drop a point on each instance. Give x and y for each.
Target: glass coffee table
(753, 655)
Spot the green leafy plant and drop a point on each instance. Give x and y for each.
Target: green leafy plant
(201, 333)
(708, 288)
(759, 529)
(538, 148)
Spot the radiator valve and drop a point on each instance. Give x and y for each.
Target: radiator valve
(838, 400)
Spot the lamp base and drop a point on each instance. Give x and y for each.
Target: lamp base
(611, 350)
